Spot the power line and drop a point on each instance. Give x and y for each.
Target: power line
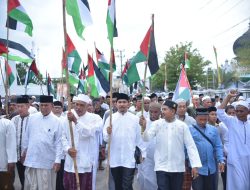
(236, 4)
(218, 7)
(244, 20)
(206, 5)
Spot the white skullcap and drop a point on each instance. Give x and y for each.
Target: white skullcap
(180, 100)
(195, 96)
(146, 98)
(74, 98)
(241, 98)
(206, 98)
(83, 98)
(242, 103)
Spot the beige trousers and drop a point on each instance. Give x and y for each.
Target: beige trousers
(39, 179)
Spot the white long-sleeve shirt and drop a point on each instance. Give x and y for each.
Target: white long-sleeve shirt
(125, 136)
(8, 152)
(20, 126)
(169, 149)
(42, 141)
(85, 141)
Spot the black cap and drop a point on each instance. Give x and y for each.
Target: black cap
(22, 100)
(210, 109)
(115, 94)
(139, 97)
(122, 96)
(152, 95)
(46, 99)
(57, 103)
(170, 104)
(201, 111)
(160, 99)
(170, 94)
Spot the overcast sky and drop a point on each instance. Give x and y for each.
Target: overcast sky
(203, 22)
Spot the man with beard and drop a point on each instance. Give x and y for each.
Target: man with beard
(238, 158)
(85, 126)
(146, 173)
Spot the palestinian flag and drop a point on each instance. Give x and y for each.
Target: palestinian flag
(3, 49)
(18, 19)
(146, 55)
(82, 85)
(74, 59)
(50, 87)
(17, 52)
(11, 77)
(91, 78)
(124, 75)
(111, 21)
(73, 79)
(32, 75)
(96, 81)
(103, 85)
(80, 12)
(186, 59)
(183, 89)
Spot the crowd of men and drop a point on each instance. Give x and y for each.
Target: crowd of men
(163, 144)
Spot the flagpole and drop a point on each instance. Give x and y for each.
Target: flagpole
(6, 74)
(111, 107)
(218, 68)
(145, 71)
(68, 94)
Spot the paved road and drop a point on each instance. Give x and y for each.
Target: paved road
(101, 182)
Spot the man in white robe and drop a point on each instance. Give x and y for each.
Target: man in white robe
(21, 121)
(171, 137)
(146, 174)
(42, 147)
(123, 134)
(8, 154)
(238, 158)
(85, 126)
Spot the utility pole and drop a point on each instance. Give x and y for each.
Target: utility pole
(121, 56)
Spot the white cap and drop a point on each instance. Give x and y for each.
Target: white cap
(180, 100)
(241, 98)
(83, 98)
(195, 96)
(206, 98)
(242, 103)
(146, 98)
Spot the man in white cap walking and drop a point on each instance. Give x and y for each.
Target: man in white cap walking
(238, 159)
(85, 125)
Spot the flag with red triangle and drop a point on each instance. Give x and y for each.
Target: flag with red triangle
(11, 77)
(183, 89)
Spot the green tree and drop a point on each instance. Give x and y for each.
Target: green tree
(173, 60)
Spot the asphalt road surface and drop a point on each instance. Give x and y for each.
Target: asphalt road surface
(101, 181)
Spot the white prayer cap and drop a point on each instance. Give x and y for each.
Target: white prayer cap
(206, 98)
(74, 98)
(242, 103)
(241, 98)
(180, 100)
(146, 98)
(195, 96)
(83, 98)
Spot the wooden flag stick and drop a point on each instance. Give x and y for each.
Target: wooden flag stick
(6, 74)
(145, 71)
(110, 109)
(68, 94)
